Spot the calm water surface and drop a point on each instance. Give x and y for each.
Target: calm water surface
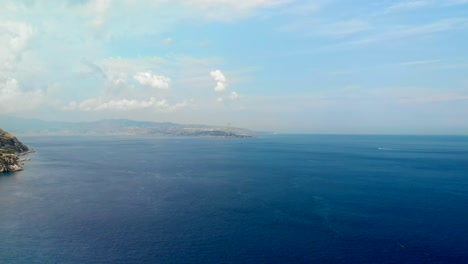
(275, 199)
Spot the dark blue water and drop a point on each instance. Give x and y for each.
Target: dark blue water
(277, 199)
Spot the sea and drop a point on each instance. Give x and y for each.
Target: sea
(271, 199)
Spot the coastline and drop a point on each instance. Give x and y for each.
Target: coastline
(13, 162)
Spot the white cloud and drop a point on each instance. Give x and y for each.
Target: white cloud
(98, 10)
(152, 80)
(13, 99)
(16, 38)
(219, 100)
(220, 87)
(20, 35)
(177, 106)
(71, 106)
(234, 96)
(221, 82)
(100, 104)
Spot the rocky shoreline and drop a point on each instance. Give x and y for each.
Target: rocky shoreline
(9, 163)
(11, 149)
(13, 162)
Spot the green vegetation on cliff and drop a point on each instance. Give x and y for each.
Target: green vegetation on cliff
(9, 144)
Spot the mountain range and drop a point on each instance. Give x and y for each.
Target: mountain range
(119, 127)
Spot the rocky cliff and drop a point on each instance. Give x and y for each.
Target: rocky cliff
(9, 147)
(10, 144)
(9, 163)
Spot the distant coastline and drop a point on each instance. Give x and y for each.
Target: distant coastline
(125, 127)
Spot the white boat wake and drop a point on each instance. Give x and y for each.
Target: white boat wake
(387, 149)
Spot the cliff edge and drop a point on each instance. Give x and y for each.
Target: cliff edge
(10, 146)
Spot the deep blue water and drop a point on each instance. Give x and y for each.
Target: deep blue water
(276, 199)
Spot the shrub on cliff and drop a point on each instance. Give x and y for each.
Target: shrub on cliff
(10, 144)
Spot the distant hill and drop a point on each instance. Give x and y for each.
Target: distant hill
(121, 127)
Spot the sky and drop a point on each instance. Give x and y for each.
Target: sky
(287, 66)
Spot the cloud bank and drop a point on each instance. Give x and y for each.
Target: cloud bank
(101, 104)
(13, 99)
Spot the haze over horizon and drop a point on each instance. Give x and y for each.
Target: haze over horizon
(321, 66)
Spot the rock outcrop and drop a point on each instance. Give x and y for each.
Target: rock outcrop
(10, 146)
(9, 163)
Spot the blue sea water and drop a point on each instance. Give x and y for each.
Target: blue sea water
(274, 199)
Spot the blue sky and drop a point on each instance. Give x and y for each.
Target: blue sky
(319, 66)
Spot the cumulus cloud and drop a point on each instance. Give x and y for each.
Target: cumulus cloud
(221, 82)
(13, 99)
(152, 80)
